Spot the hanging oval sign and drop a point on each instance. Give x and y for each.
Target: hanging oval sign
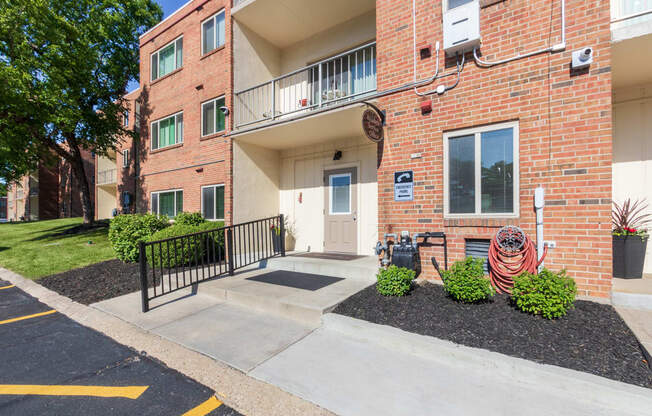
(372, 125)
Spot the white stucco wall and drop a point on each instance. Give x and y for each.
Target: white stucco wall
(302, 172)
(632, 148)
(256, 181)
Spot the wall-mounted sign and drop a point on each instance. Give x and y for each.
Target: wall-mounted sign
(372, 125)
(403, 186)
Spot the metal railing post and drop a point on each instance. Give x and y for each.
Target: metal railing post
(142, 259)
(273, 99)
(282, 225)
(229, 250)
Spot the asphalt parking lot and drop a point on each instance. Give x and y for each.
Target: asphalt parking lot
(52, 365)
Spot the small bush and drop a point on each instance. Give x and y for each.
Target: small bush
(127, 230)
(189, 218)
(547, 294)
(465, 281)
(186, 251)
(394, 281)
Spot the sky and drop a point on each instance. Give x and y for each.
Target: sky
(169, 7)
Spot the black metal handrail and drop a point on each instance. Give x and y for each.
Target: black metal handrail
(175, 263)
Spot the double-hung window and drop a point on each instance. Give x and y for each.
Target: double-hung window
(212, 33)
(212, 118)
(167, 59)
(125, 119)
(125, 158)
(167, 131)
(168, 203)
(212, 202)
(481, 171)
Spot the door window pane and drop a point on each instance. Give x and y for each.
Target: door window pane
(461, 178)
(497, 171)
(208, 203)
(209, 36)
(208, 116)
(340, 194)
(179, 206)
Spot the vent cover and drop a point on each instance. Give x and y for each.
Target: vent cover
(478, 248)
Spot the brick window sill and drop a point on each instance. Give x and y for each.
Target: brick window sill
(212, 136)
(213, 52)
(163, 149)
(166, 76)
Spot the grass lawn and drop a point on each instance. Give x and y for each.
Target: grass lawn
(42, 248)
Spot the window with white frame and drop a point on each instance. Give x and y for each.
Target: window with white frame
(167, 59)
(481, 171)
(168, 203)
(125, 158)
(212, 33)
(212, 119)
(167, 131)
(212, 202)
(125, 119)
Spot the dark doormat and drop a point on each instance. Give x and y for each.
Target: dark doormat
(297, 280)
(330, 256)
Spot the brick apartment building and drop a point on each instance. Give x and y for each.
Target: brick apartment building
(51, 192)
(478, 137)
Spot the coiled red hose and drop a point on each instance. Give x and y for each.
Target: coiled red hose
(504, 265)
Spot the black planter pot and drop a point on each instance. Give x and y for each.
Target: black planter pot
(628, 256)
(276, 241)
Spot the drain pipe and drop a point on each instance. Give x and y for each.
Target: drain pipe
(539, 202)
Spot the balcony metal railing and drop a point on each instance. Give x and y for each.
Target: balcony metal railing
(623, 10)
(106, 177)
(332, 81)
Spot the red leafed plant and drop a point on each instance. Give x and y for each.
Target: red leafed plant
(630, 217)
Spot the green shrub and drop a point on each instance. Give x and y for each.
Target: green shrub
(189, 218)
(127, 230)
(465, 281)
(548, 294)
(186, 251)
(394, 281)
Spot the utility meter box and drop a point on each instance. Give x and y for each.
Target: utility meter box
(461, 25)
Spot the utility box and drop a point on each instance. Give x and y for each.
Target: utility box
(461, 25)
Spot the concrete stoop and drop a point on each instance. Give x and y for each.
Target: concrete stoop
(420, 375)
(304, 306)
(632, 293)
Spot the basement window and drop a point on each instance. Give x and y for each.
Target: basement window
(168, 203)
(212, 33)
(212, 119)
(167, 59)
(167, 131)
(481, 171)
(212, 202)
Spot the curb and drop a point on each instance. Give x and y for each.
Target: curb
(245, 394)
(620, 397)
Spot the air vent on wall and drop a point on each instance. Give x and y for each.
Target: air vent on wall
(461, 25)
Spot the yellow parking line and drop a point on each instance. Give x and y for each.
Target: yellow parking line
(20, 318)
(204, 408)
(132, 392)
(6, 287)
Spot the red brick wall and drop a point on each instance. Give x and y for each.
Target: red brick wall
(198, 161)
(564, 121)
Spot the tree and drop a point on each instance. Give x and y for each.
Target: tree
(64, 68)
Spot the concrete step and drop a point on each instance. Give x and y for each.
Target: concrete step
(632, 293)
(364, 268)
(300, 305)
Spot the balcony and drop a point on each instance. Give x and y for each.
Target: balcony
(327, 84)
(106, 177)
(631, 34)
(283, 23)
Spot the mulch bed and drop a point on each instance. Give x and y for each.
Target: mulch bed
(96, 282)
(591, 338)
